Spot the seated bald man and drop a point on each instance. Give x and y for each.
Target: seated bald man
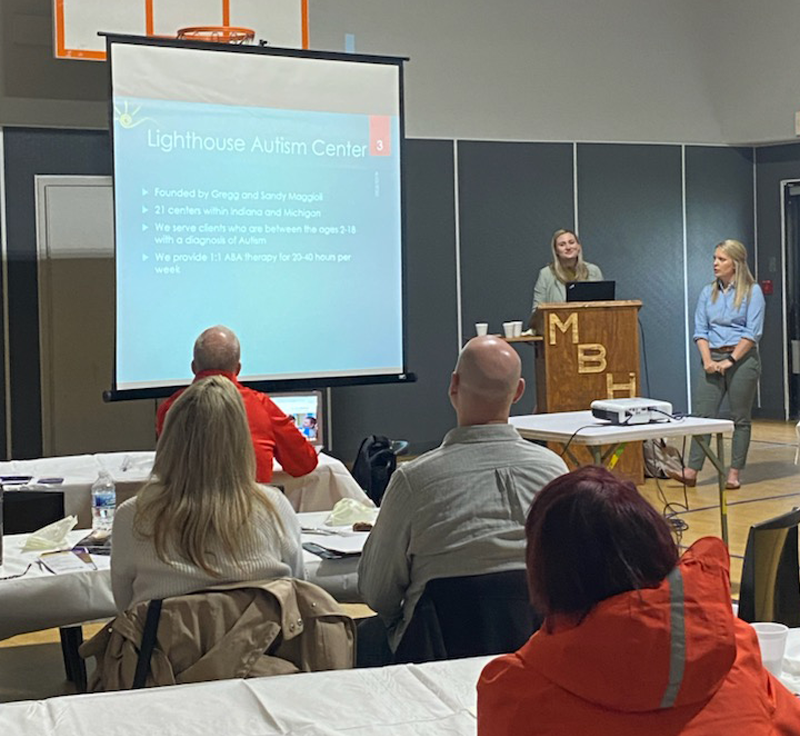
(217, 352)
(459, 509)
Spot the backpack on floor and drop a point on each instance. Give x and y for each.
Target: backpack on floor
(660, 457)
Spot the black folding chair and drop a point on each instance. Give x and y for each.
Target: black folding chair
(770, 589)
(470, 616)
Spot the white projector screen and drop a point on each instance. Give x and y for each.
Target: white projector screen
(258, 189)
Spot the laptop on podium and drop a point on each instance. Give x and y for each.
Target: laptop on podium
(591, 291)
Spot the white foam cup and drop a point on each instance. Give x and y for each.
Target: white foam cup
(508, 329)
(481, 328)
(517, 328)
(772, 640)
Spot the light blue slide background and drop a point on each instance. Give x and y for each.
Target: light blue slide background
(295, 318)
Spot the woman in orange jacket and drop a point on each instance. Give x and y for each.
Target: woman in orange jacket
(635, 641)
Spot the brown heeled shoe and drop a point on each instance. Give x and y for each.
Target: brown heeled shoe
(681, 478)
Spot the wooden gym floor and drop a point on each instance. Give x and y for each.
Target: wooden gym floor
(770, 486)
(31, 665)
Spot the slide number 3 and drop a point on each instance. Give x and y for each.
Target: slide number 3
(380, 141)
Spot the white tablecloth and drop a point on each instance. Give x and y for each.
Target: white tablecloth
(791, 662)
(42, 600)
(404, 700)
(329, 482)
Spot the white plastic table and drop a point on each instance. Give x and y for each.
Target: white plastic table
(605, 440)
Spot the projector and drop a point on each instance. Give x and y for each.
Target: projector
(632, 411)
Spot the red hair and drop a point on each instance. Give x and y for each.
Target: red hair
(591, 536)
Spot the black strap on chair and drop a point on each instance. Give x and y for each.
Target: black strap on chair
(148, 643)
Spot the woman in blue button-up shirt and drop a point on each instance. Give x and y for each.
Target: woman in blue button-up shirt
(727, 327)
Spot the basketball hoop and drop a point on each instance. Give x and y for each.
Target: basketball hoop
(217, 34)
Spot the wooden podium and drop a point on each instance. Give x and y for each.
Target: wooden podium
(588, 351)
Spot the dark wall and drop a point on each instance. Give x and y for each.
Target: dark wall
(418, 412)
(29, 152)
(3, 346)
(773, 164)
(719, 205)
(512, 197)
(630, 217)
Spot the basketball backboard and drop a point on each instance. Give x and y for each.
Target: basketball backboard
(77, 22)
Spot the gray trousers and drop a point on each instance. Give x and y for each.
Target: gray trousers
(740, 383)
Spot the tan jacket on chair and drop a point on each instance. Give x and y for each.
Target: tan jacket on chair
(252, 629)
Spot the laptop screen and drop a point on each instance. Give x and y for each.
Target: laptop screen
(306, 410)
(591, 291)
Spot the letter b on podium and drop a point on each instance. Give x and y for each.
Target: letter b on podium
(591, 358)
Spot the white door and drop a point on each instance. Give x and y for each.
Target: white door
(75, 241)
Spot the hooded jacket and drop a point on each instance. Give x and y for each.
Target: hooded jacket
(660, 661)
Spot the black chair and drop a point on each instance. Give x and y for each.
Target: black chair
(770, 589)
(25, 511)
(468, 617)
(375, 462)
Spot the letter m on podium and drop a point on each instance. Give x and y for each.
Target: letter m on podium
(556, 323)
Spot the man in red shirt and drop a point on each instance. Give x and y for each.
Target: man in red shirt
(216, 352)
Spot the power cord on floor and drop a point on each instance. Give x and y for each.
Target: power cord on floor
(673, 509)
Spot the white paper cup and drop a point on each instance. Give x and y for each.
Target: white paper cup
(772, 640)
(481, 328)
(508, 329)
(517, 328)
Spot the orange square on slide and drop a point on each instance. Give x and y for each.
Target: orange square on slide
(380, 135)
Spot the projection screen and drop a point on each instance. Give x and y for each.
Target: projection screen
(260, 189)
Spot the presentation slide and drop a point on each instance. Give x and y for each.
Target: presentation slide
(262, 192)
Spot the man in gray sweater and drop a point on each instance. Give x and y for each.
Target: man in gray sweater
(459, 509)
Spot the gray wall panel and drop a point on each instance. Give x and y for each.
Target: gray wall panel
(719, 205)
(29, 152)
(512, 197)
(418, 412)
(631, 225)
(3, 346)
(773, 163)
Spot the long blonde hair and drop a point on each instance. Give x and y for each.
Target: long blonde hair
(562, 274)
(742, 277)
(203, 491)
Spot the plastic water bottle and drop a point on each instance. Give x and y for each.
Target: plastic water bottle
(104, 502)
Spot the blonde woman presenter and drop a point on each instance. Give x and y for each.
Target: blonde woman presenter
(728, 324)
(567, 265)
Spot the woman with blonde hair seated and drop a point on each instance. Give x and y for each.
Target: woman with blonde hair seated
(635, 640)
(202, 519)
(567, 265)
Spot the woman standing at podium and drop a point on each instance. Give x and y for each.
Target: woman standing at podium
(567, 265)
(728, 324)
